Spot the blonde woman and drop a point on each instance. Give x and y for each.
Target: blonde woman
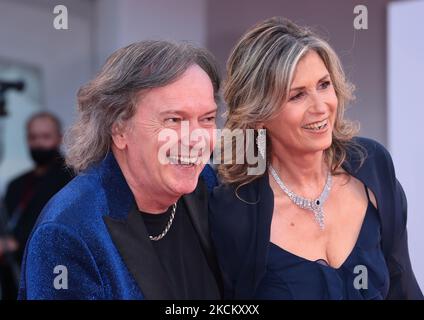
(327, 219)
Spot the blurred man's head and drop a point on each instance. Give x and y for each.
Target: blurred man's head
(44, 137)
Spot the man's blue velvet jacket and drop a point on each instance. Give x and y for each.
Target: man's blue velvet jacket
(84, 228)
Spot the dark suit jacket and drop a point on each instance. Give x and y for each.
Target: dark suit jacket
(25, 197)
(241, 231)
(56, 177)
(85, 229)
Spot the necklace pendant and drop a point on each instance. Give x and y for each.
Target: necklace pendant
(319, 217)
(314, 205)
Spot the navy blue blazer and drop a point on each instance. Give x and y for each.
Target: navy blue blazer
(84, 228)
(241, 230)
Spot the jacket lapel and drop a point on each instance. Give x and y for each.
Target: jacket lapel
(374, 175)
(253, 268)
(197, 207)
(132, 241)
(129, 233)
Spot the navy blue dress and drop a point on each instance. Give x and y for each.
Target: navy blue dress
(240, 223)
(289, 276)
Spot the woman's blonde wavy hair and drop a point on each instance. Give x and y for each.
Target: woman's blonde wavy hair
(259, 74)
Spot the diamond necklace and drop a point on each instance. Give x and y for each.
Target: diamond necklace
(316, 205)
(168, 225)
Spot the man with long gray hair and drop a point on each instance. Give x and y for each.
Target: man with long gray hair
(133, 224)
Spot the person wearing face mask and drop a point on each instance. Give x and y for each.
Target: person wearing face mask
(27, 194)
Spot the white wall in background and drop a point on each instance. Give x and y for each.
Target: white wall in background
(64, 57)
(63, 60)
(119, 23)
(406, 115)
(19, 106)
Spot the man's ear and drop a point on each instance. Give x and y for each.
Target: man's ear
(119, 137)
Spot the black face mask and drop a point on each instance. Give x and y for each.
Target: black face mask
(44, 156)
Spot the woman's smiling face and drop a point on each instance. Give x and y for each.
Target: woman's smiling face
(305, 122)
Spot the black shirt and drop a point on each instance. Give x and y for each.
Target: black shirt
(181, 255)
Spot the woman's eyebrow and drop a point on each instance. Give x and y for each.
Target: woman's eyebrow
(300, 88)
(324, 77)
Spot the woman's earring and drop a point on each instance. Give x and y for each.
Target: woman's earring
(261, 142)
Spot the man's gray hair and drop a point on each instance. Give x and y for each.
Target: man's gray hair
(111, 97)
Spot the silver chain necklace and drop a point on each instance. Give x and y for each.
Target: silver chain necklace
(168, 225)
(316, 206)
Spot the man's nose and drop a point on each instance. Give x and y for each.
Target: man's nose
(194, 134)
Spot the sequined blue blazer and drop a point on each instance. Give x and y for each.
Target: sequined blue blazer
(81, 246)
(241, 229)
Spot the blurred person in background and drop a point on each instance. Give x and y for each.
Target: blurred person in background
(27, 194)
